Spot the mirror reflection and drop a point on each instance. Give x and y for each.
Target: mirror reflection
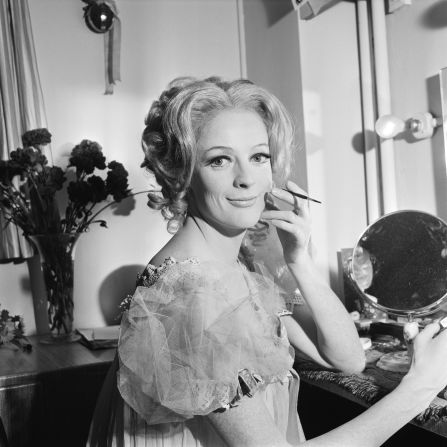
(400, 263)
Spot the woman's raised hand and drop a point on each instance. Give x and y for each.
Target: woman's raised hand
(293, 226)
(428, 372)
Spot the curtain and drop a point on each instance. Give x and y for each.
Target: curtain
(21, 103)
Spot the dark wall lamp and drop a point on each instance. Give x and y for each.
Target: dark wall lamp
(98, 16)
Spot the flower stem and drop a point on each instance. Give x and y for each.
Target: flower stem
(86, 224)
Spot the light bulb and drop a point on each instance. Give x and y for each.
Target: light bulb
(388, 126)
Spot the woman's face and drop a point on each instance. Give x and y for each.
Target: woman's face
(233, 170)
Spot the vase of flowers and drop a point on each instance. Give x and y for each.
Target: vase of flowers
(57, 253)
(31, 193)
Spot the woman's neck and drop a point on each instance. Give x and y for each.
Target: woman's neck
(207, 242)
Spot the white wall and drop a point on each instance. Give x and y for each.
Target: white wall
(273, 61)
(333, 126)
(161, 39)
(312, 66)
(417, 36)
(332, 117)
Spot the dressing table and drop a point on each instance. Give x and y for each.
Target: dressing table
(324, 405)
(47, 395)
(397, 273)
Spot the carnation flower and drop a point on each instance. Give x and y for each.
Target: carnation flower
(87, 156)
(9, 170)
(116, 182)
(31, 203)
(56, 177)
(79, 192)
(98, 188)
(27, 158)
(36, 137)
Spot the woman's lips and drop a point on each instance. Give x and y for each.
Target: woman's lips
(244, 202)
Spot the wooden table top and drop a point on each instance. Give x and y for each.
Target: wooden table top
(18, 367)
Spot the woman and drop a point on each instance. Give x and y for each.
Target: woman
(205, 354)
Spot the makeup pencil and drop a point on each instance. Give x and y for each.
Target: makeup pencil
(301, 196)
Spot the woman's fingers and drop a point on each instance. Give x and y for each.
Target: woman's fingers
(283, 225)
(427, 333)
(290, 222)
(283, 195)
(430, 331)
(288, 216)
(269, 202)
(299, 205)
(430, 355)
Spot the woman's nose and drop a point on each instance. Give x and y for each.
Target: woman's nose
(243, 176)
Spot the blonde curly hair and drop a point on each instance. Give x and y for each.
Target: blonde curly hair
(174, 124)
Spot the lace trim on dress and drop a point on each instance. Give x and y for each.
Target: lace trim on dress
(152, 273)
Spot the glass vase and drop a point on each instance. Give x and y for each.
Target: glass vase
(56, 252)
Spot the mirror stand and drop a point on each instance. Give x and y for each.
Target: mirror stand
(399, 267)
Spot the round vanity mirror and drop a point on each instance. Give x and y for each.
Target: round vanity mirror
(399, 263)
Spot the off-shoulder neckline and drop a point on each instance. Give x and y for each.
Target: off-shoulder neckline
(156, 271)
(171, 260)
(153, 273)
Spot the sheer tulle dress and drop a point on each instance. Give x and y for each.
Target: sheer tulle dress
(195, 339)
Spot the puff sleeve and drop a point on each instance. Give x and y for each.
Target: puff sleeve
(187, 344)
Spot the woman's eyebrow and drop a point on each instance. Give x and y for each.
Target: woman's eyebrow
(261, 145)
(227, 148)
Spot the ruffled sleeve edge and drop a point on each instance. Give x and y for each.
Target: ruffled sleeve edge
(249, 383)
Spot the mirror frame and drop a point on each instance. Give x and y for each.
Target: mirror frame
(419, 312)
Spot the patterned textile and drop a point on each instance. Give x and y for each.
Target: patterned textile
(372, 384)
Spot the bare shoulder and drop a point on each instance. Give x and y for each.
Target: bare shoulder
(171, 250)
(181, 246)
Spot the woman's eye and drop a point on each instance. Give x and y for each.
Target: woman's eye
(219, 162)
(261, 158)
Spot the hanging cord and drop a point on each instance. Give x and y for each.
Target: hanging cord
(112, 51)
